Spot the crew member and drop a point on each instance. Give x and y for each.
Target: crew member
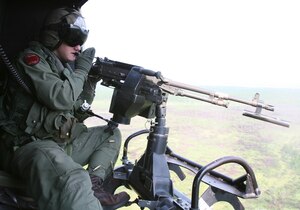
(44, 141)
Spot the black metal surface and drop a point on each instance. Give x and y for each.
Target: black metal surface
(135, 97)
(151, 180)
(150, 177)
(251, 188)
(126, 143)
(214, 195)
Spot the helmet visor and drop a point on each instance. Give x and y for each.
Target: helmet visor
(76, 33)
(75, 36)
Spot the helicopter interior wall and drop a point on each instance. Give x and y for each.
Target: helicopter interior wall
(21, 21)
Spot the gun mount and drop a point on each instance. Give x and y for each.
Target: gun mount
(143, 92)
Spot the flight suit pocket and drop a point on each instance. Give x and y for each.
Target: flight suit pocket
(69, 128)
(35, 118)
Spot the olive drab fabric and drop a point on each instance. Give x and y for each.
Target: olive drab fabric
(57, 180)
(53, 109)
(43, 139)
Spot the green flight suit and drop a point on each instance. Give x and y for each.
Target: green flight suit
(41, 128)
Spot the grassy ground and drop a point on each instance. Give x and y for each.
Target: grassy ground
(203, 133)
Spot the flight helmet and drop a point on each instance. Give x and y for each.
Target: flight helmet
(64, 25)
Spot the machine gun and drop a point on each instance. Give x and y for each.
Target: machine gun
(115, 73)
(143, 92)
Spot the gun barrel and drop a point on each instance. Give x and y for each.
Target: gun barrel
(216, 95)
(187, 87)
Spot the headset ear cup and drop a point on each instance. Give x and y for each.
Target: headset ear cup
(50, 38)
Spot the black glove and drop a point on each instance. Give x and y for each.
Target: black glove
(94, 74)
(85, 60)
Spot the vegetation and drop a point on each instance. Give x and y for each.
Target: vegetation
(203, 133)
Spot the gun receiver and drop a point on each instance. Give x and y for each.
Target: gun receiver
(137, 90)
(113, 73)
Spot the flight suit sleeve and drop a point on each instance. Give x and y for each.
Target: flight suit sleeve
(87, 95)
(53, 90)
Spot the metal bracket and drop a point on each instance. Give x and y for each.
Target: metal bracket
(213, 195)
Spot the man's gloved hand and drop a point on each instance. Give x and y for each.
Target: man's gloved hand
(94, 74)
(85, 60)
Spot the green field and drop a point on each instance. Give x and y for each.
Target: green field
(203, 133)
